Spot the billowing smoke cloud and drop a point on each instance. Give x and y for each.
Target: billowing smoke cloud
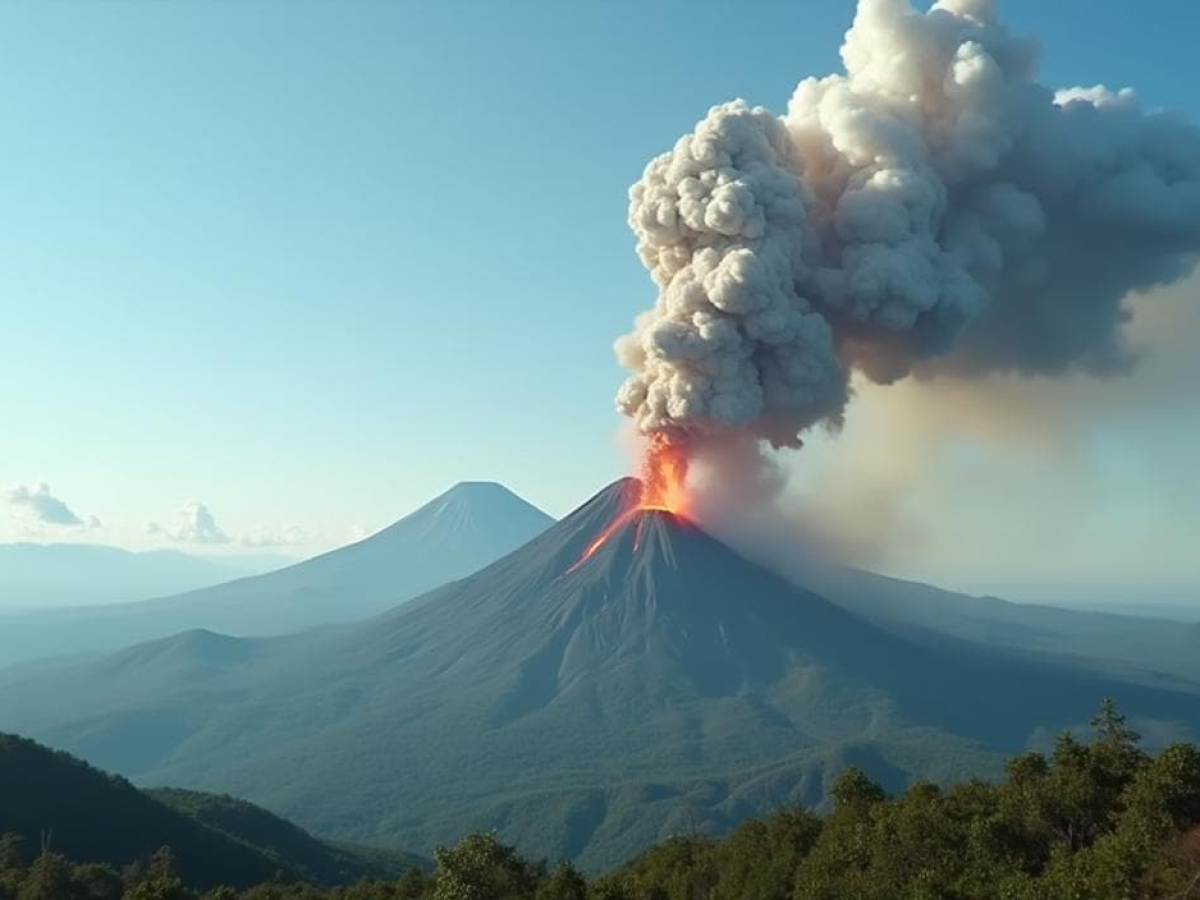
(195, 524)
(721, 223)
(934, 210)
(924, 477)
(1046, 489)
(46, 509)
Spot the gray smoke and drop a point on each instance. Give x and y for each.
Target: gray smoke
(935, 209)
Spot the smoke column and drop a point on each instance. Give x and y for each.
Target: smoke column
(933, 210)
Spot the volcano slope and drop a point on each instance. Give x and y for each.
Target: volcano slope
(663, 684)
(454, 534)
(1153, 650)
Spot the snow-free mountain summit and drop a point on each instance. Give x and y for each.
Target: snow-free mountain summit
(454, 534)
(584, 704)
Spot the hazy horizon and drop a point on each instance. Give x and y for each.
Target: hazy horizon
(1166, 600)
(600, 451)
(252, 324)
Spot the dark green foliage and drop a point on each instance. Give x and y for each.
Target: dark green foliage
(97, 881)
(481, 867)
(759, 860)
(323, 862)
(1098, 820)
(159, 889)
(1095, 821)
(565, 883)
(413, 885)
(582, 712)
(49, 878)
(51, 801)
(680, 868)
(12, 852)
(853, 789)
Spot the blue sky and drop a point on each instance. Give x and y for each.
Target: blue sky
(312, 263)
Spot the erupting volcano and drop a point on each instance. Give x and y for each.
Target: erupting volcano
(662, 488)
(931, 210)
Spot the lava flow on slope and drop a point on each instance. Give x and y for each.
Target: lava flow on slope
(662, 488)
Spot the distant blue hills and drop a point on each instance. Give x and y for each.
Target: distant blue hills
(456, 533)
(665, 685)
(37, 576)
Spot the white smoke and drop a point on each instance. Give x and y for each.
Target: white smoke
(721, 224)
(935, 209)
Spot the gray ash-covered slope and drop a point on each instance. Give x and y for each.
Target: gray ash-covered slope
(665, 683)
(455, 534)
(663, 603)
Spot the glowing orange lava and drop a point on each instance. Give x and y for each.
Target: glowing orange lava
(664, 478)
(663, 487)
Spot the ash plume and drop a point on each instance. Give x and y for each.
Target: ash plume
(933, 210)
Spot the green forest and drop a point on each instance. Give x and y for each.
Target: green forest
(1099, 819)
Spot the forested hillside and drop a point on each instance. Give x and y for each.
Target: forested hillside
(1098, 820)
(584, 711)
(325, 862)
(53, 802)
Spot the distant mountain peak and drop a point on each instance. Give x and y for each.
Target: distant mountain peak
(668, 673)
(479, 487)
(656, 581)
(475, 494)
(485, 508)
(467, 527)
(194, 645)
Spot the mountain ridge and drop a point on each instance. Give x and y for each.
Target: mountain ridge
(450, 536)
(64, 575)
(54, 797)
(665, 675)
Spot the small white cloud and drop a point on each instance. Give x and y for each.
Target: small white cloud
(287, 536)
(41, 507)
(358, 532)
(196, 525)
